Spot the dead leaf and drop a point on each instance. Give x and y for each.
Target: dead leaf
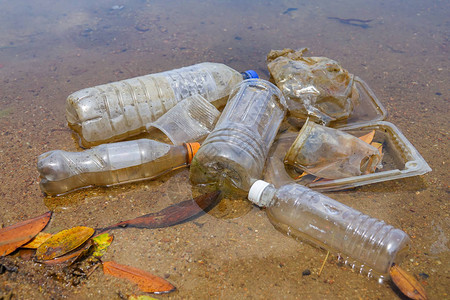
(172, 215)
(101, 244)
(14, 236)
(25, 254)
(407, 284)
(37, 241)
(379, 146)
(63, 242)
(146, 282)
(368, 138)
(71, 257)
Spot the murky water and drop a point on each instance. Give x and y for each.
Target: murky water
(49, 49)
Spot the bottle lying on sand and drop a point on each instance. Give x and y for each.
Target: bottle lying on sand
(366, 244)
(115, 111)
(234, 153)
(110, 164)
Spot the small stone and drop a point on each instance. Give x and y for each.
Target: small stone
(306, 272)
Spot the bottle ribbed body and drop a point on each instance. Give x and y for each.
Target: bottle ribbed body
(114, 111)
(108, 164)
(365, 243)
(234, 153)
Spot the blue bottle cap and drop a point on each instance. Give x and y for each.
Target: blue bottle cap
(249, 74)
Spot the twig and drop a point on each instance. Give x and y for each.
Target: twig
(323, 264)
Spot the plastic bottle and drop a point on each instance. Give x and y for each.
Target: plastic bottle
(363, 242)
(110, 164)
(234, 153)
(115, 111)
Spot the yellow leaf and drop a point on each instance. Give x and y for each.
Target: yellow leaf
(146, 282)
(37, 241)
(63, 242)
(101, 244)
(406, 283)
(14, 236)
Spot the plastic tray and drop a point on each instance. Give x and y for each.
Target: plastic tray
(400, 159)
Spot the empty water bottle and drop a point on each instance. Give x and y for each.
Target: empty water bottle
(234, 153)
(110, 164)
(366, 244)
(115, 111)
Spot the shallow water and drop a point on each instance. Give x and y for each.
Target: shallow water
(50, 49)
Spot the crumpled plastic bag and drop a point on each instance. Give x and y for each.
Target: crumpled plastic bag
(317, 87)
(331, 153)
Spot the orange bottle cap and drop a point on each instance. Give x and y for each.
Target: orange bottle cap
(192, 148)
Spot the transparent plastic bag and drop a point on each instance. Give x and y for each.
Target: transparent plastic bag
(330, 153)
(317, 87)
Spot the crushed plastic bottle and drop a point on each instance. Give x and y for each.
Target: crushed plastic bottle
(366, 244)
(115, 111)
(110, 164)
(234, 153)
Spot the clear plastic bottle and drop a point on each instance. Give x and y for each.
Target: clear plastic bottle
(234, 153)
(115, 111)
(110, 164)
(366, 244)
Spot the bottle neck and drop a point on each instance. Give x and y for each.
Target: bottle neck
(267, 198)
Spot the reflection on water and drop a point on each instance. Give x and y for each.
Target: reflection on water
(50, 49)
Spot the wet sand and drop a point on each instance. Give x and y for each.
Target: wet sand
(48, 51)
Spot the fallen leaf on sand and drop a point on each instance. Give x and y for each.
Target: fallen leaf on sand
(72, 256)
(101, 244)
(146, 282)
(63, 242)
(37, 241)
(172, 215)
(407, 284)
(14, 236)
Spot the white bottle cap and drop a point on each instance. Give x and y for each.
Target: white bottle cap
(256, 190)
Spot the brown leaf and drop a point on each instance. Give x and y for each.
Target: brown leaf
(146, 282)
(406, 283)
(70, 257)
(172, 215)
(37, 241)
(63, 242)
(14, 236)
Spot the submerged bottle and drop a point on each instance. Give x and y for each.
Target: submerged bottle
(234, 153)
(115, 111)
(364, 243)
(110, 164)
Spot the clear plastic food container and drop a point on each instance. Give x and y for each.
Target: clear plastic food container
(400, 158)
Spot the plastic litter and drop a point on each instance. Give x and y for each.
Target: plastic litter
(366, 244)
(330, 153)
(191, 120)
(317, 87)
(234, 153)
(115, 111)
(110, 164)
(400, 160)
